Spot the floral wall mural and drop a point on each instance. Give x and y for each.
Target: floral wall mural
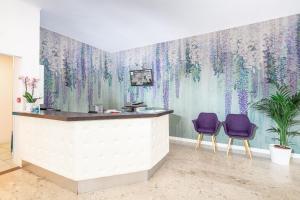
(76, 75)
(221, 72)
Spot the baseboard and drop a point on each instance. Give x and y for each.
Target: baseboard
(95, 184)
(10, 170)
(223, 147)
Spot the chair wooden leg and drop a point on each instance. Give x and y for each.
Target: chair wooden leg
(245, 145)
(229, 146)
(199, 139)
(247, 148)
(213, 141)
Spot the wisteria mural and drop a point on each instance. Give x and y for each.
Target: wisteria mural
(222, 72)
(76, 74)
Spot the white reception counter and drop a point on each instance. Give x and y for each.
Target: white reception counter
(86, 152)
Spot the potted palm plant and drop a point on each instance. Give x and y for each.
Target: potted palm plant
(282, 107)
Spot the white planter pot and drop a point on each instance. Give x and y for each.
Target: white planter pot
(280, 156)
(28, 107)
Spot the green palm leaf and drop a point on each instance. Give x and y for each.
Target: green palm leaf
(283, 107)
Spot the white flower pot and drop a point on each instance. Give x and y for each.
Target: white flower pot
(279, 155)
(28, 107)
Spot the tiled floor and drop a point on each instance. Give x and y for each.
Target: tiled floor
(187, 174)
(5, 158)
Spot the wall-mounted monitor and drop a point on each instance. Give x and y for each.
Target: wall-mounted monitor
(142, 77)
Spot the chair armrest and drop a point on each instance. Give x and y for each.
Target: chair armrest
(251, 129)
(218, 125)
(225, 127)
(195, 124)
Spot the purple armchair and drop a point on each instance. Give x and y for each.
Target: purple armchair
(208, 124)
(238, 126)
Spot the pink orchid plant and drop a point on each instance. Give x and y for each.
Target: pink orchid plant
(30, 84)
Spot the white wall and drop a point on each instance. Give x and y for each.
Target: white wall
(6, 95)
(19, 36)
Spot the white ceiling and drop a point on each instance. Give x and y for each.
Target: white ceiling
(115, 25)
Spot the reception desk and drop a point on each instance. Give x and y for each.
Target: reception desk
(86, 152)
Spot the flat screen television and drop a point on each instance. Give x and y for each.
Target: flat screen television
(142, 77)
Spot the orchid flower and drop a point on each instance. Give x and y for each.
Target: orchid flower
(32, 84)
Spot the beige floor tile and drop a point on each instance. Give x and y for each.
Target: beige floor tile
(4, 167)
(6, 146)
(3, 150)
(3, 163)
(10, 163)
(187, 174)
(5, 156)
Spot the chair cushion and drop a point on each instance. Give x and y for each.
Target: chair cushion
(241, 134)
(206, 130)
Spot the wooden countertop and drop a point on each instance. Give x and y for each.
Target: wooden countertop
(75, 116)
